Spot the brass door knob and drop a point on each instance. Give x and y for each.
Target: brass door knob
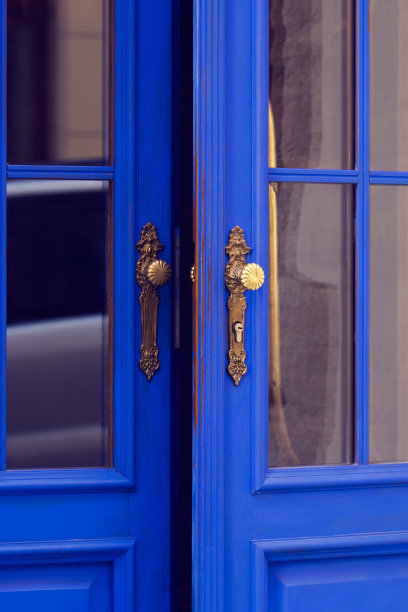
(151, 273)
(158, 273)
(252, 276)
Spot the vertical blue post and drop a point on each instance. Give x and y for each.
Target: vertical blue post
(362, 222)
(124, 238)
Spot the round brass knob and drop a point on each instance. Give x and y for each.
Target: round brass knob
(158, 273)
(252, 276)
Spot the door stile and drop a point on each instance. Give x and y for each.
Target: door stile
(209, 312)
(246, 188)
(258, 316)
(124, 240)
(151, 176)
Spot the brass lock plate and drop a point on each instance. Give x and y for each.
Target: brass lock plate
(151, 272)
(239, 276)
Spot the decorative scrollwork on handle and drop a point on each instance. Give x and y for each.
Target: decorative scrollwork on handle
(151, 272)
(239, 276)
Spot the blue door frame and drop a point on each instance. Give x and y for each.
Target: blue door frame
(252, 523)
(109, 527)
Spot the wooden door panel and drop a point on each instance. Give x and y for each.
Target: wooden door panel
(366, 572)
(86, 575)
(99, 539)
(267, 537)
(362, 583)
(83, 587)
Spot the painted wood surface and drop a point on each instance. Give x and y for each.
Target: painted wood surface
(99, 539)
(275, 539)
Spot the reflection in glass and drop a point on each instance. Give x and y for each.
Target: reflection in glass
(388, 324)
(58, 81)
(388, 85)
(310, 324)
(311, 81)
(57, 324)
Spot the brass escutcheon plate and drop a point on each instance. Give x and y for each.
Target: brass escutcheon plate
(239, 276)
(151, 272)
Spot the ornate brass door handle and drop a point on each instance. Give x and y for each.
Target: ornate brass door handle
(151, 273)
(239, 276)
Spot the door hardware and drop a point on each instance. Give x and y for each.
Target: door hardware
(238, 329)
(252, 276)
(239, 276)
(151, 272)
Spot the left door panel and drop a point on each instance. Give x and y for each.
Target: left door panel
(85, 163)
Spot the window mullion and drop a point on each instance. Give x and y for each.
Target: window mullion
(362, 235)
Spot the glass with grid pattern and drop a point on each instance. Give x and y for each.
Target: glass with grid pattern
(59, 245)
(311, 249)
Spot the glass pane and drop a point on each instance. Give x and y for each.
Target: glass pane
(311, 81)
(310, 324)
(58, 81)
(389, 85)
(57, 324)
(388, 324)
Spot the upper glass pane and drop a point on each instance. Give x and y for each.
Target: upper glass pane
(58, 82)
(388, 324)
(389, 85)
(58, 324)
(311, 295)
(311, 81)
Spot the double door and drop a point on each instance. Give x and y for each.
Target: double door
(299, 413)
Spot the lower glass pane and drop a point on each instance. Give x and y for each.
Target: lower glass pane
(388, 324)
(57, 324)
(311, 314)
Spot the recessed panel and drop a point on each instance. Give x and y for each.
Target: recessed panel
(58, 324)
(311, 294)
(67, 588)
(361, 584)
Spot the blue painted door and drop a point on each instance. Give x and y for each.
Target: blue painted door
(300, 474)
(85, 443)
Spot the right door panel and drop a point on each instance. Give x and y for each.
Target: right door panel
(299, 468)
